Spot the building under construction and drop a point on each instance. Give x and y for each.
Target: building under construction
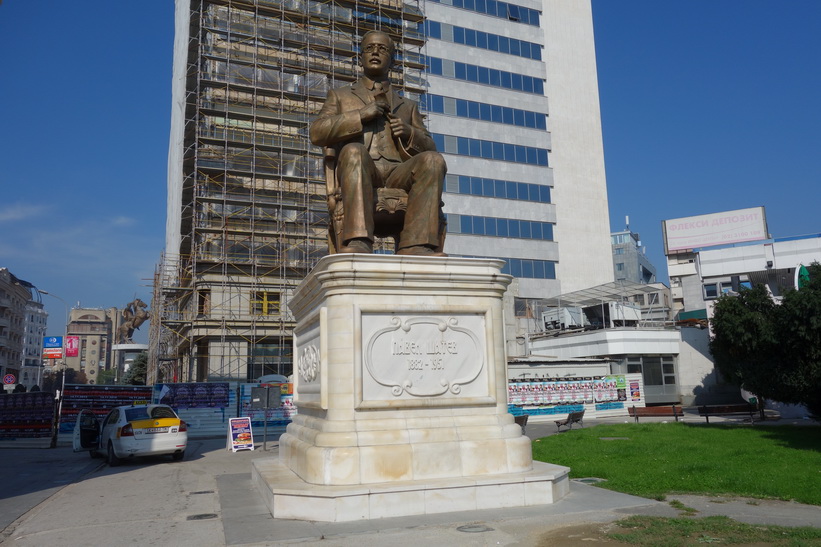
(247, 210)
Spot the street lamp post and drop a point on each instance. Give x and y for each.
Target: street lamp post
(59, 407)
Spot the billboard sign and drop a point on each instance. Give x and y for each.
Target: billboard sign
(52, 353)
(52, 342)
(714, 229)
(72, 346)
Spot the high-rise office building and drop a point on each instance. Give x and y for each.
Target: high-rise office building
(247, 212)
(507, 81)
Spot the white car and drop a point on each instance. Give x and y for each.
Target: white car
(128, 431)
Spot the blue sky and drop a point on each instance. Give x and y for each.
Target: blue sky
(707, 106)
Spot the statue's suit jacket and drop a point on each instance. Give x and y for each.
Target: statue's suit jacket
(338, 123)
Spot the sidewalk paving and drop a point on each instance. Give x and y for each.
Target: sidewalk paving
(208, 499)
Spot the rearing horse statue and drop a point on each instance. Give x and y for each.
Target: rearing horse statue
(134, 314)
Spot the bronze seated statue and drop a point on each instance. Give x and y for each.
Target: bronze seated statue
(389, 209)
(384, 176)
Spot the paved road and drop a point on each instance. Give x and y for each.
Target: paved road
(32, 475)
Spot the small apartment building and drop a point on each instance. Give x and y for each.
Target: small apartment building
(95, 329)
(721, 253)
(629, 259)
(15, 295)
(31, 372)
(700, 276)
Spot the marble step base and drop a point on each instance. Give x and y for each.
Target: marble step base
(289, 497)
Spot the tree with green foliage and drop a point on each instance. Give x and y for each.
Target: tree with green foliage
(136, 373)
(773, 349)
(107, 377)
(54, 381)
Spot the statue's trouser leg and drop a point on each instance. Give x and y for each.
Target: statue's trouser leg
(422, 177)
(357, 178)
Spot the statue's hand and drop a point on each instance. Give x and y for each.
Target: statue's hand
(372, 111)
(399, 129)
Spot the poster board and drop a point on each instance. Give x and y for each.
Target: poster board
(240, 435)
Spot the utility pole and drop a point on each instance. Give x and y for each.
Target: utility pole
(58, 408)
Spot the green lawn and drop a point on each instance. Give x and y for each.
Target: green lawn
(681, 532)
(653, 460)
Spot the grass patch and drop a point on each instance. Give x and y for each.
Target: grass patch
(666, 532)
(776, 462)
(688, 511)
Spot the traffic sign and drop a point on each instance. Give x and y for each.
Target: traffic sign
(9, 379)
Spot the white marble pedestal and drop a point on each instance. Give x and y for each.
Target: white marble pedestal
(400, 381)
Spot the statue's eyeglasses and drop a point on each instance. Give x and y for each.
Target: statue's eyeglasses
(381, 48)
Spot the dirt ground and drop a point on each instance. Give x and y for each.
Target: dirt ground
(582, 534)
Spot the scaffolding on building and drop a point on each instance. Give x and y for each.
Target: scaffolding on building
(253, 210)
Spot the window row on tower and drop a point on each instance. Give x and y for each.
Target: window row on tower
(495, 188)
(483, 75)
(525, 268)
(491, 150)
(482, 40)
(499, 227)
(495, 8)
(474, 110)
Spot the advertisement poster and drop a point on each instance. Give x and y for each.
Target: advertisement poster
(240, 436)
(53, 342)
(193, 395)
(26, 415)
(72, 346)
(99, 399)
(571, 391)
(635, 392)
(52, 353)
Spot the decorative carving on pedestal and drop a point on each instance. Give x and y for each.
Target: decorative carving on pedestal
(308, 364)
(425, 356)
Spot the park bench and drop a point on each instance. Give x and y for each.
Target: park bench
(743, 410)
(522, 421)
(572, 418)
(655, 411)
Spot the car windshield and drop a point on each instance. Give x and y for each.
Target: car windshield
(139, 413)
(142, 413)
(162, 412)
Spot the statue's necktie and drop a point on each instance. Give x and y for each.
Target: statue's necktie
(383, 141)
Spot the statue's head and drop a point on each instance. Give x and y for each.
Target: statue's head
(377, 50)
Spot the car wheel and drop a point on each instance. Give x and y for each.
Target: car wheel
(112, 459)
(177, 456)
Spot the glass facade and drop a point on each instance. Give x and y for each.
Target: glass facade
(494, 8)
(525, 267)
(483, 75)
(491, 150)
(475, 110)
(483, 40)
(495, 188)
(499, 227)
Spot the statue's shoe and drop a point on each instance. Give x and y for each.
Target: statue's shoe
(357, 246)
(420, 250)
